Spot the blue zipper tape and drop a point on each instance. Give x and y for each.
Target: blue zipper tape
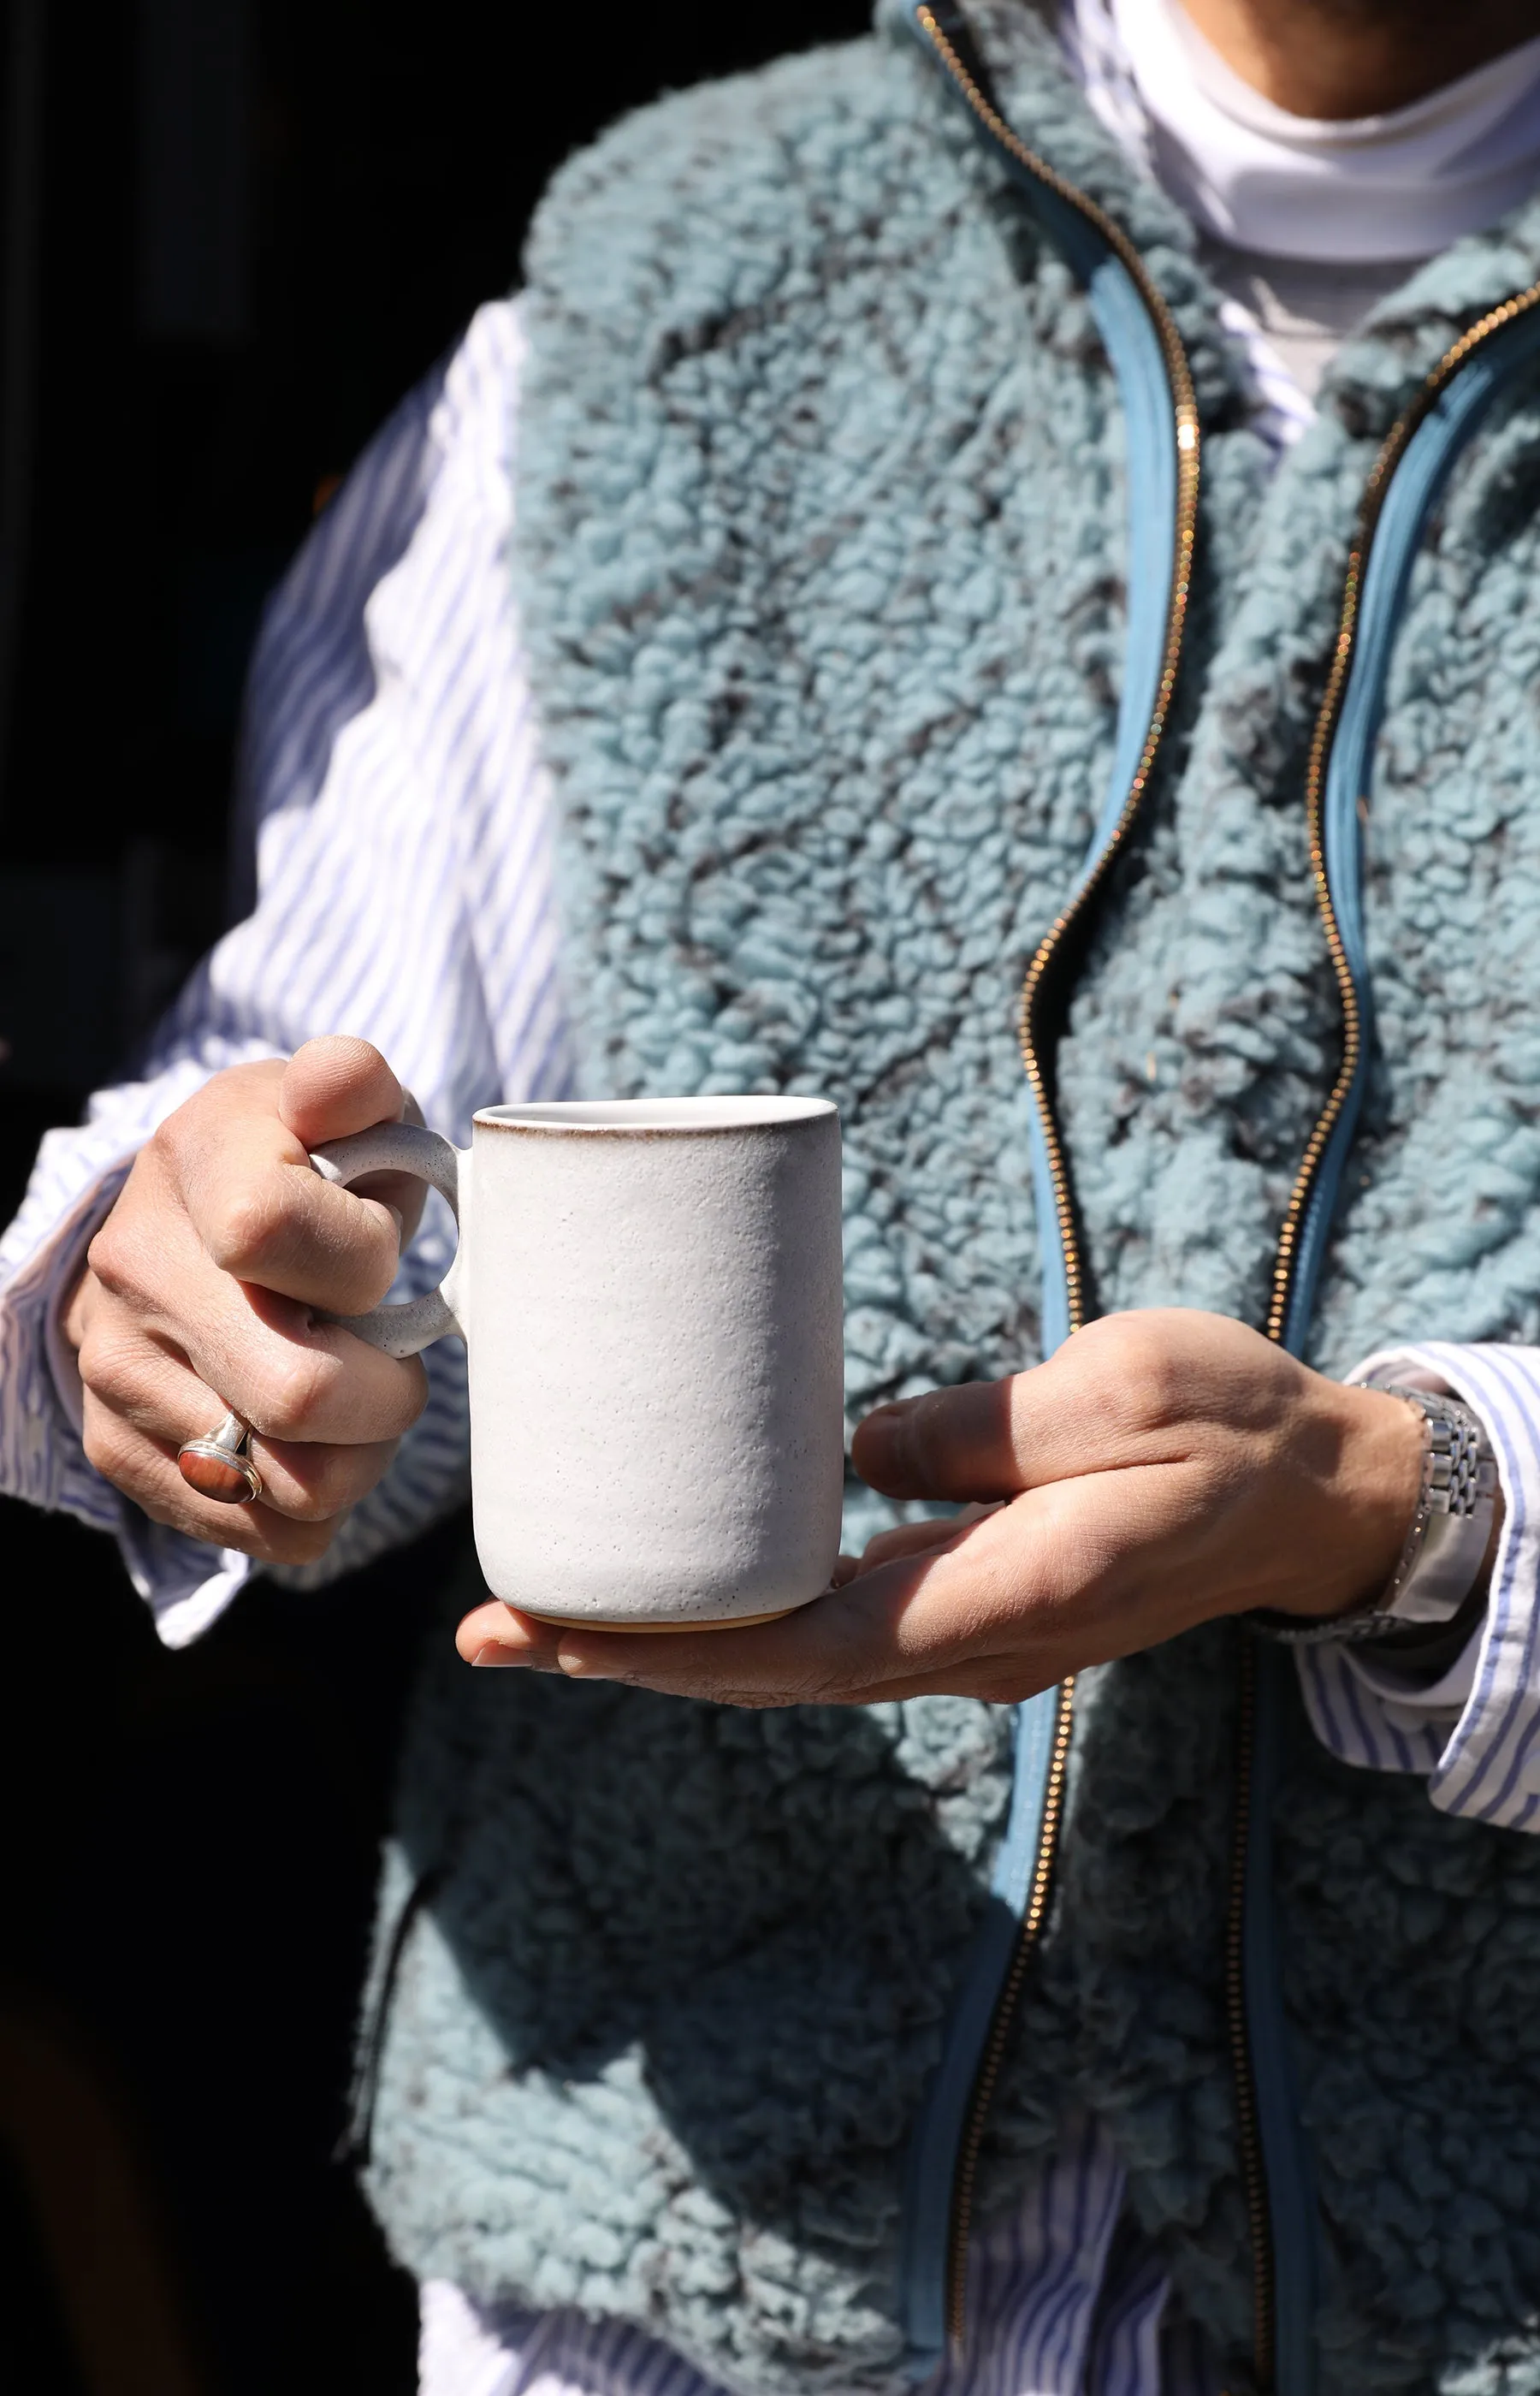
(1135, 350)
(1414, 492)
(933, 2152)
(1288, 2165)
(1139, 369)
(1418, 483)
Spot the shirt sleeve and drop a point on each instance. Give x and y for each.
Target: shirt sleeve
(1475, 1732)
(392, 825)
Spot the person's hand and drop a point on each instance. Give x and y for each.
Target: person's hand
(1161, 1469)
(201, 1290)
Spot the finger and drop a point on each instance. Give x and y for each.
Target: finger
(334, 1087)
(495, 1633)
(264, 1215)
(859, 1645)
(146, 1471)
(293, 1378)
(155, 1391)
(1067, 1575)
(1118, 1393)
(876, 1636)
(917, 1538)
(338, 1085)
(956, 1443)
(290, 1377)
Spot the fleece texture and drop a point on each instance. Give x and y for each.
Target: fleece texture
(821, 516)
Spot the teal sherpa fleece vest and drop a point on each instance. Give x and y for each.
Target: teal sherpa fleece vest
(821, 509)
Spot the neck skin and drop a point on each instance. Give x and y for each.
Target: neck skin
(1343, 59)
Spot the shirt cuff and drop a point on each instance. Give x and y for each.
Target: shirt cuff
(64, 1261)
(41, 1459)
(1475, 1731)
(185, 1584)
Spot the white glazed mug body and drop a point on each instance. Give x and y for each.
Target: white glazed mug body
(650, 1294)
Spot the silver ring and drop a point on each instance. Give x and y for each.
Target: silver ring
(219, 1466)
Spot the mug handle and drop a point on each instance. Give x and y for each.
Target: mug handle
(414, 1323)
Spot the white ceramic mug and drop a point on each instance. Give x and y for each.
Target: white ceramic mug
(649, 1291)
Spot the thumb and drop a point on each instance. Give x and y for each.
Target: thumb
(337, 1085)
(953, 1444)
(340, 1085)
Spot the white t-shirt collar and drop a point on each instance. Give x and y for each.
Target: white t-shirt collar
(1376, 188)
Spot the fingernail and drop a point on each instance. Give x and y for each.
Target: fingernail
(493, 1654)
(574, 1663)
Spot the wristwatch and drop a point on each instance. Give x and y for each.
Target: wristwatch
(1435, 1583)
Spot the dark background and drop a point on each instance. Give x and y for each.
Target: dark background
(235, 231)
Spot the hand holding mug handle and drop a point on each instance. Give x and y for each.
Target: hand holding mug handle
(415, 1323)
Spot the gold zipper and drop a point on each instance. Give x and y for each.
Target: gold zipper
(961, 2224)
(1030, 1033)
(1037, 982)
(1391, 452)
(1253, 2180)
(1185, 419)
(1034, 1059)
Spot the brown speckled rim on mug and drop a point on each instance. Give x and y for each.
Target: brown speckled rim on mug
(654, 1118)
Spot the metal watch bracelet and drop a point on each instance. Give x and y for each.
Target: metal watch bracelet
(1441, 1557)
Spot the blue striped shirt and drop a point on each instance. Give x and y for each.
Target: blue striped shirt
(1061, 2299)
(390, 801)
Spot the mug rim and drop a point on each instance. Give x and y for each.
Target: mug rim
(654, 1118)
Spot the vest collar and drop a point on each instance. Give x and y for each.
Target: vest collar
(1374, 377)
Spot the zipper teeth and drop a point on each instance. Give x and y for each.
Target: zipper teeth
(1033, 1057)
(1253, 2178)
(1188, 462)
(1390, 454)
(1184, 412)
(994, 2052)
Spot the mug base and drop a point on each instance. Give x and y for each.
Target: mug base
(591, 1622)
